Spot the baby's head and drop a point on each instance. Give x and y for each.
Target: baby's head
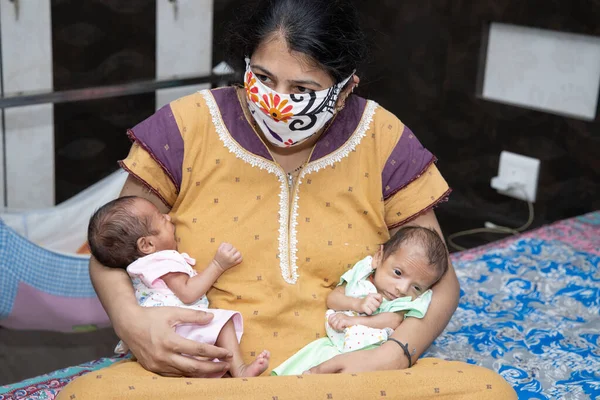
(128, 228)
(408, 264)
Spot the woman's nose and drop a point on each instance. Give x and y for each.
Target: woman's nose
(168, 217)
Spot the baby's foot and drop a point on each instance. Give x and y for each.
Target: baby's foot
(256, 367)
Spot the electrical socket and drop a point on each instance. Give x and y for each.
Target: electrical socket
(517, 176)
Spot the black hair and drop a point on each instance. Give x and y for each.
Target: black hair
(114, 230)
(427, 238)
(327, 31)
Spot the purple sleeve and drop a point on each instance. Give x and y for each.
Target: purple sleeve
(159, 135)
(407, 162)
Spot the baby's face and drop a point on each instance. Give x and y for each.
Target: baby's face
(164, 239)
(406, 272)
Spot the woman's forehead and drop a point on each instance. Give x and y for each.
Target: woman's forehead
(274, 56)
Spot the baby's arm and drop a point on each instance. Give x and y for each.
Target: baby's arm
(338, 301)
(191, 289)
(341, 321)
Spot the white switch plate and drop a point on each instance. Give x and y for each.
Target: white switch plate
(517, 176)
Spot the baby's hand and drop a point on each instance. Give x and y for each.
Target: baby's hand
(340, 321)
(227, 256)
(370, 303)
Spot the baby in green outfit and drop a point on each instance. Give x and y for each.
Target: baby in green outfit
(373, 298)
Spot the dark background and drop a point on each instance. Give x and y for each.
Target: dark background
(97, 43)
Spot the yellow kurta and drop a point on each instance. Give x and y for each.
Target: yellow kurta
(296, 238)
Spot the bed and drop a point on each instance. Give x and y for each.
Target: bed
(529, 309)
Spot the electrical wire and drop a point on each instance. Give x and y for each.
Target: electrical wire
(493, 228)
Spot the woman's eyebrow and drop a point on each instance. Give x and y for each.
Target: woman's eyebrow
(262, 69)
(305, 82)
(265, 71)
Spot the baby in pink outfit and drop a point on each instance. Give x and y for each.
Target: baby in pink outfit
(131, 233)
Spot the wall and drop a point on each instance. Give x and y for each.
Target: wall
(426, 62)
(184, 44)
(54, 151)
(27, 132)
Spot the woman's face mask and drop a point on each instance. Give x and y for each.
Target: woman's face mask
(289, 119)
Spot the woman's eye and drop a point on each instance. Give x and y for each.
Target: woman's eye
(303, 90)
(397, 272)
(262, 78)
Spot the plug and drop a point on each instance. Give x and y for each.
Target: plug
(499, 183)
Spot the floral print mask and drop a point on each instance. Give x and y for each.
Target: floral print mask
(289, 119)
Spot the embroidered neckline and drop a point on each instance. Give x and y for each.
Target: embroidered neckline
(288, 265)
(353, 141)
(266, 165)
(335, 157)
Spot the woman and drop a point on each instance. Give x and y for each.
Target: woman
(305, 179)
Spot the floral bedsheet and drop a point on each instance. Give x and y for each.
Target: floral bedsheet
(47, 386)
(529, 309)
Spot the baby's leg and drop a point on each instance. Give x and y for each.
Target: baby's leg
(228, 340)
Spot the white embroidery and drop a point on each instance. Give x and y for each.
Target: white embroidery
(346, 148)
(268, 166)
(289, 267)
(330, 159)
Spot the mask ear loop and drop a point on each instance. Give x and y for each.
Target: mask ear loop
(343, 85)
(345, 81)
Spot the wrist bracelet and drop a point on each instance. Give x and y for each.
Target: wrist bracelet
(405, 349)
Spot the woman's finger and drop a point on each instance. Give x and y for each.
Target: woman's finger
(332, 366)
(187, 316)
(181, 345)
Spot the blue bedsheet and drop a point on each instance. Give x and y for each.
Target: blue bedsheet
(530, 309)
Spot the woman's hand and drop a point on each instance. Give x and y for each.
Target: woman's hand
(384, 357)
(150, 335)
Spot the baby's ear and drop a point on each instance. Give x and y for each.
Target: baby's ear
(145, 245)
(377, 258)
